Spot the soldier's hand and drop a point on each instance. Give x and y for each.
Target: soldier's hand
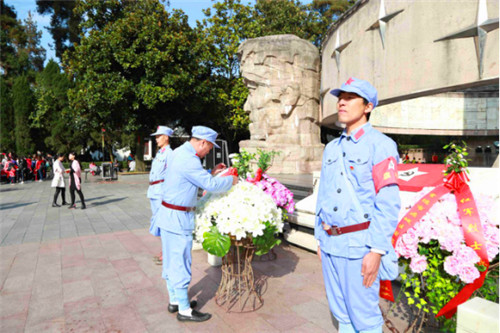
(235, 180)
(318, 252)
(218, 168)
(369, 268)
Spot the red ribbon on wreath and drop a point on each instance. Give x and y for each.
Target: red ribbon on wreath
(257, 178)
(471, 225)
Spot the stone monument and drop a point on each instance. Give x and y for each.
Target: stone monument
(282, 73)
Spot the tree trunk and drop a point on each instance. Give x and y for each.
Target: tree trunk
(139, 154)
(111, 156)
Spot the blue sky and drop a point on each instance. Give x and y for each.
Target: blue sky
(193, 8)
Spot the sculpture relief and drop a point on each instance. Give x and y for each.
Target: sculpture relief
(282, 75)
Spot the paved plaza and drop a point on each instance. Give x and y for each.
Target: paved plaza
(91, 270)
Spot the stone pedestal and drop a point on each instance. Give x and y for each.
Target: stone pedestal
(282, 74)
(477, 315)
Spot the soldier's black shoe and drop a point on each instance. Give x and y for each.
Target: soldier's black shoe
(195, 316)
(55, 205)
(172, 308)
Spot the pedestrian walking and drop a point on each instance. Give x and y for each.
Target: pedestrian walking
(357, 212)
(58, 180)
(175, 218)
(157, 176)
(75, 181)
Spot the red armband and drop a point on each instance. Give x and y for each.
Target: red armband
(385, 173)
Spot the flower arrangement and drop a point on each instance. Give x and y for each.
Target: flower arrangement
(437, 261)
(254, 208)
(281, 196)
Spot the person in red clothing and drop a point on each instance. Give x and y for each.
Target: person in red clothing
(434, 158)
(29, 171)
(39, 168)
(10, 168)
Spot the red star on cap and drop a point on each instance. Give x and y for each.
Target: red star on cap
(348, 82)
(158, 128)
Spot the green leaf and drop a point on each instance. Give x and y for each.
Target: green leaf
(267, 241)
(481, 268)
(216, 243)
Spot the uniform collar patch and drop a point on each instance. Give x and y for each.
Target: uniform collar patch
(359, 134)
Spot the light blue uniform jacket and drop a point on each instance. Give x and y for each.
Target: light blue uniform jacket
(184, 176)
(158, 171)
(360, 152)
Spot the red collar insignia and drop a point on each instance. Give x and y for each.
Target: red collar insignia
(359, 134)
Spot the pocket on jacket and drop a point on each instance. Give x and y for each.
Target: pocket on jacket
(358, 164)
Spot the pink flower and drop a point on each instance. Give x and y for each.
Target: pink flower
(418, 263)
(451, 265)
(425, 231)
(467, 256)
(282, 196)
(406, 250)
(410, 237)
(468, 274)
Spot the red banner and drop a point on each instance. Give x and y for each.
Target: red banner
(474, 238)
(414, 177)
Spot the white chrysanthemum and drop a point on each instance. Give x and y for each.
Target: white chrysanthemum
(239, 212)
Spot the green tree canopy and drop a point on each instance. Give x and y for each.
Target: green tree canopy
(228, 23)
(137, 66)
(51, 117)
(22, 102)
(21, 56)
(8, 142)
(63, 23)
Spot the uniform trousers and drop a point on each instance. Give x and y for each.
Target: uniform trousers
(355, 306)
(176, 269)
(155, 205)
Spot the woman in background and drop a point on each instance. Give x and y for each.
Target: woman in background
(75, 180)
(39, 168)
(58, 180)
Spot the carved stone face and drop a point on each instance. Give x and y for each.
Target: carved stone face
(282, 89)
(282, 75)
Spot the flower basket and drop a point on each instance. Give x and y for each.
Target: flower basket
(241, 223)
(448, 244)
(236, 292)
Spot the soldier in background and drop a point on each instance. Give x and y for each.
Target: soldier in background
(157, 176)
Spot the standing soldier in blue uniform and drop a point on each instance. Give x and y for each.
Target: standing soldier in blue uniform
(357, 212)
(175, 218)
(157, 176)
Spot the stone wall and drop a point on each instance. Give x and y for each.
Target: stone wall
(443, 114)
(282, 74)
(401, 48)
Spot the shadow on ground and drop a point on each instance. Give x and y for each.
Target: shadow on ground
(12, 205)
(106, 202)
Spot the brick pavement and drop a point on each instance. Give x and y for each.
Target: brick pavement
(90, 270)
